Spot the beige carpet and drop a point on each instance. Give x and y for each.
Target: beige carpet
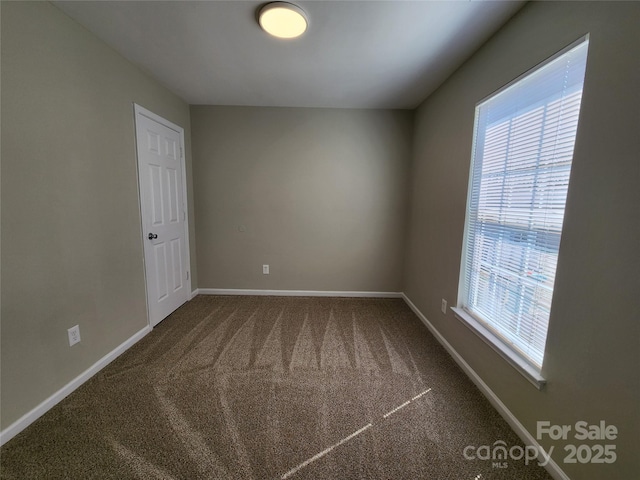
(272, 388)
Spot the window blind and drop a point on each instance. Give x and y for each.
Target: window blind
(523, 148)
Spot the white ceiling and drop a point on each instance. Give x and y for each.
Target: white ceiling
(355, 54)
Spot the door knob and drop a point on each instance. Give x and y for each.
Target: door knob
(152, 236)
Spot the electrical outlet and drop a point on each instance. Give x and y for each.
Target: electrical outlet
(443, 307)
(74, 335)
(265, 269)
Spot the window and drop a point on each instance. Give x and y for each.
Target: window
(523, 147)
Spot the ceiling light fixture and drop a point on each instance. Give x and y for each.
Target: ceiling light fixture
(283, 20)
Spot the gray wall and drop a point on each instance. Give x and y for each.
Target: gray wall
(320, 193)
(71, 234)
(592, 361)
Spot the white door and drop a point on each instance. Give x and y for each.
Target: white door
(160, 173)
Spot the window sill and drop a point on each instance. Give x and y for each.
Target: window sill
(526, 370)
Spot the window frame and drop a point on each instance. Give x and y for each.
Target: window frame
(482, 328)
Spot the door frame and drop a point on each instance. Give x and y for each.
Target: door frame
(138, 109)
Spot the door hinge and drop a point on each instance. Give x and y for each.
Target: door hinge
(181, 154)
(187, 274)
(184, 216)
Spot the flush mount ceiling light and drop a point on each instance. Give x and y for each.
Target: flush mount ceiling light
(283, 20)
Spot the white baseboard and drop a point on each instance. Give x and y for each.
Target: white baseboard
(28, 418)
(552, 467)
(297, 293)
(194, 294)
